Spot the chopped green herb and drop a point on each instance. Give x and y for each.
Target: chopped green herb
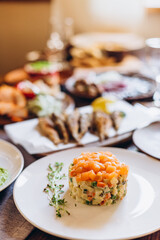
(70, 179)
(85, 190)
(123, 182)
(3, 176)
(88, 202)
(54, 190)
(113, 197)
(94, 184)
(114, 201)
(101, 194)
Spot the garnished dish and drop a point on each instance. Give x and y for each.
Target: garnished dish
(98, 178)
(32, 91)
(105, 121)
(44, 104)
(96, 56)
(129, 87)
(94, 221)
(43, 70)
(16, 107)
(3, 176)
(94, 50)
(95, 178)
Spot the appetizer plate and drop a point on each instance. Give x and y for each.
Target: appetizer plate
(28, 134)
(138, 214)
(68, 104)
(148, 139)
(12, 160)
(138, 87)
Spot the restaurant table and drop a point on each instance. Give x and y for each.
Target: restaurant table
(14, 227)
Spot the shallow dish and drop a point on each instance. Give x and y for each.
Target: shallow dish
(147, 139)
(138, 214)
(138, 87)
(130, 42)
(12, 160)
(28, 134)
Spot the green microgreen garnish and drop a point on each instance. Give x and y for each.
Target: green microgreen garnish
(94, 184)
(88, 202)
(113, 197)
(54, 189)
(85, 190)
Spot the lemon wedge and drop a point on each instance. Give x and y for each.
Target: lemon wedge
(102, 104)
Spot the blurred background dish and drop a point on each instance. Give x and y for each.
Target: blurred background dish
(17, 104)
(147, 139)
(91, 50)
(125, 86)
(82, 130)
(12, 160)
(31, 91)
(110, 41)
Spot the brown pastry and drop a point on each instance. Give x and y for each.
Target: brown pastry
(15, 76)
(12, 100)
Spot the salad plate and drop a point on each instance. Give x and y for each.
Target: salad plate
(43, 104)
(12, 160)
(137, 215)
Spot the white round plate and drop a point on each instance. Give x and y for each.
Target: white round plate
(138, 214)
(148, 139)
(12, 160)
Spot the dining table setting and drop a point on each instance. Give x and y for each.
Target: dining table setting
(80, 141)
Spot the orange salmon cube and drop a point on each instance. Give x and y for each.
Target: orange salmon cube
(101, 184)
(92, 175)
(85, 176)
(78, 177)
(110, 169)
